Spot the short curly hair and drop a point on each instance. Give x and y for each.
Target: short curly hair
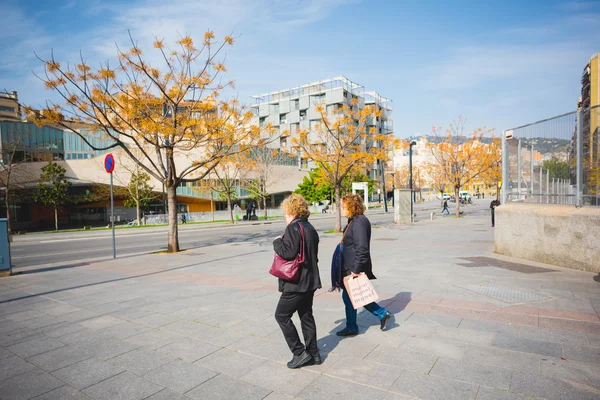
(296, 206)
(353, 204)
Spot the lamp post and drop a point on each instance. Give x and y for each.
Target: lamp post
(413, 143)
(393, 174)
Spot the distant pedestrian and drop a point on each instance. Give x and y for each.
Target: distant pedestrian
(446, 207)
(356, 259)
(183, 218)
(298, 296)
(249, 208)
(493, 205)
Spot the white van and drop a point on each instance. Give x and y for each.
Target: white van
(463, 194)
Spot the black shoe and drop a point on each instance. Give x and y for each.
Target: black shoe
(385, 320)
(300, 360)
(346, 332)
(316, 358)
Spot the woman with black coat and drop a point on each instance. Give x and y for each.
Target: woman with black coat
(298, 296)
(356, 259)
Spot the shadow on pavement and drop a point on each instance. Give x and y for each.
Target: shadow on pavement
(395, 305)
(597, 278)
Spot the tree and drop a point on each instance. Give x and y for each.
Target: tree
(13, 161)
(262, 162)
(227, 178)
(558, 169)
(460, 163)
(166, 110)
(343, 142)
(140, 193)
(53, 188)
(312, 188)
(493, 176)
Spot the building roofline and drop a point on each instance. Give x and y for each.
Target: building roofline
(353, 85)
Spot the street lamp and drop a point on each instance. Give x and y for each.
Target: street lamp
(393, 174)
(413, 143)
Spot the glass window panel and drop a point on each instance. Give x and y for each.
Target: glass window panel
(46, 143)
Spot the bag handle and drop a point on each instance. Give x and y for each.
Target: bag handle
(345, 230)
(301, 254)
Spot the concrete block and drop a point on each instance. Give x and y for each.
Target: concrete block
(189, 350)
(87, 373)
(28, 385)
(123, 386)
(60, 358)
(279, 378)
(223, 387)
(180, 375)
(467, 371)
(433, 387)
(230, 362)
(141, 361)
(328, 388)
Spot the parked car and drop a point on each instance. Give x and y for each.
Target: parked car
(444, 196)
(464, 195)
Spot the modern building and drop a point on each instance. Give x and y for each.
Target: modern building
(293, 110)
(9, 106)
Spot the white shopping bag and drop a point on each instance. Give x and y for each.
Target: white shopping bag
(360, 290)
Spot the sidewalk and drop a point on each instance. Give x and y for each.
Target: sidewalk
(468, 324)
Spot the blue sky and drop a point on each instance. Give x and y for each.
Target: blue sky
(499, 64)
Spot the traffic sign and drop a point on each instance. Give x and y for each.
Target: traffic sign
(109, 163)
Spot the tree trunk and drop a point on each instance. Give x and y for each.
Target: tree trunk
(56, 219)
(212, 205)
(229, 208)
(265, 205)
(137, 202)
(7, 205)
(173, 243)
(137, 213)
(456, 196)
(497, 191)
(338, 210)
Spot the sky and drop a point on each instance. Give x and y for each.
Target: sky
(499, 64)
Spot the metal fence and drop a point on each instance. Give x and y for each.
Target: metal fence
(554, 161)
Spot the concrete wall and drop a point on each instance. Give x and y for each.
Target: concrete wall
(402, 206)
(560, 235)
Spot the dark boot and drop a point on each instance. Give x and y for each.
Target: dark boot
(346, 332)
(300, 360)
(316, 358)
(385, 320)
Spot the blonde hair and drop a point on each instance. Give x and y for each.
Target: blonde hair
(354, 205)
(296, 206)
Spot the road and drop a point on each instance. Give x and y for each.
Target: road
(40, 250)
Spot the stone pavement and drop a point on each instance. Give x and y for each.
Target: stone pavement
(468, 324)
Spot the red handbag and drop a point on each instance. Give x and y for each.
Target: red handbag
(289, 270)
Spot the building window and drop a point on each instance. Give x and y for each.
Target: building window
(261, 121)
(296, 104)
(302, 115)
(7, 109)
(283, 142)
(276, 108)
(282, 118)
(318, 99)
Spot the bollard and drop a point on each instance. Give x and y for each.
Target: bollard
(432, 215)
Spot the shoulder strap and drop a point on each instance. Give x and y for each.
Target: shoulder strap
(301, 242)
(345, 230)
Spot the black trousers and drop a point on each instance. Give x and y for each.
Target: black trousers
(289, 303)
(493, 219)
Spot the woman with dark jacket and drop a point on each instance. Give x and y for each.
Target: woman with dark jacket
(298, 296)
(356, 259)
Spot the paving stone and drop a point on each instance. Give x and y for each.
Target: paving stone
(12, 366)
(141, 361)
(5, 353)
(60, 358)
(499, 394)
(156, 320)
(552, 335)
(125, 386)
(7, 325)
(328, 388)
(440, 320)
(131, 314)
(35, 346)
(489, 326)
(230, 362)
(189, 350)
(570, 370)
(502, 358)
(78, 316)
(180, 375)
(61, 329)
(593, 340)
(84, 337)
(184, 328)
(533, 346)
(276, 350)
(278, 396)
(223, 387)
(46, 321)
(64, 393)
(438, 347)
(365, 372)
(279, 378)
(167, 394)
(433, 387)
(28, 385)
(17, 336)
(580, 353)
(222, 319)
(24, 315)
(532, 384)
(124, 330)
(481, 338)
(101, 322)
(61, 309)
(87, 373)
(110, 348)
(468, 371)
(153, 338)
(403, 358)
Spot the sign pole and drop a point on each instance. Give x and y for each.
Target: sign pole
(112, 216)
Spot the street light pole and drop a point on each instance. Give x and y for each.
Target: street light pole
(393, 174)
(413, 143)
